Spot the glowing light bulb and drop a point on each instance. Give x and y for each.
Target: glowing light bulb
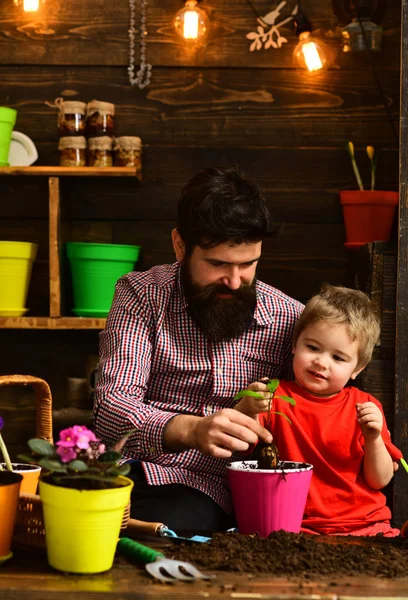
(191, 23)
(28, 5)
(190, 26)
(310, 53)
(31, 5)
(312, 58)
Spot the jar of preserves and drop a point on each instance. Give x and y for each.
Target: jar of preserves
(73, 151)
(100, 118)
(71, 118)
(128, 153)
(100, 152)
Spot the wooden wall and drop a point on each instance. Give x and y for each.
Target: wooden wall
(218, 106)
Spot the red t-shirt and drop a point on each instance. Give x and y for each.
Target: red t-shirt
(326, 434)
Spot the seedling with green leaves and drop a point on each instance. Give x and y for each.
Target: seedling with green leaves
(268, 454)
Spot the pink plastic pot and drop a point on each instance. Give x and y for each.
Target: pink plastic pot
(266, 501)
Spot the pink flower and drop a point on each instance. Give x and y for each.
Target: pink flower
(83, 436)
(67, 438)
(66, 453)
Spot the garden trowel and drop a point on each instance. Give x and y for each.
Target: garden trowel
(161, 530)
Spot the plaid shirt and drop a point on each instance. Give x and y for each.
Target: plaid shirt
(156, 363)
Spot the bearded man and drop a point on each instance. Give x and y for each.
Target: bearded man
(180, 341)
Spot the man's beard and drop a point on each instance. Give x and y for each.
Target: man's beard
(221, 319)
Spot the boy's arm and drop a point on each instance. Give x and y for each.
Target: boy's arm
(378, 465)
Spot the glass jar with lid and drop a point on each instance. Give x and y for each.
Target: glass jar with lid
(100, 151)
(71, 118)
(100, 118)
(128, 153)
(72, 151)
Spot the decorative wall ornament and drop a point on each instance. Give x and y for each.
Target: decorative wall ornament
(267, 34)
(143, 75)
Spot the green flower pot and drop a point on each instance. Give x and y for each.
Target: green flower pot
(95, 269)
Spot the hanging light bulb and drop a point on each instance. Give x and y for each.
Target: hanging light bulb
(31, 5)
(310, 52)
(28, 5)
(191, 22)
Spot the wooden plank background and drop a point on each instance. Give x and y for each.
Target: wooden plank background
(217, 106)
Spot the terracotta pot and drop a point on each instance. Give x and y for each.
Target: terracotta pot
(31, 475)
(269, 500)
(9, 491)
(368, 215)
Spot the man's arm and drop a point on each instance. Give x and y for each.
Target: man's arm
(219, 435)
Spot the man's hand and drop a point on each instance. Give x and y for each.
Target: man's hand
(370, 419)
(219, 435)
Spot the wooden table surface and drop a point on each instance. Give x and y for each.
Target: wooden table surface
(27, 576)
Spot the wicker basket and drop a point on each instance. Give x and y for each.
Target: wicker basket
(29, 528)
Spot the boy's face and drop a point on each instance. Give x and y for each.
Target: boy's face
(325, 358)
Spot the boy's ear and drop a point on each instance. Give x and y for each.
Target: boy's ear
(357, 372)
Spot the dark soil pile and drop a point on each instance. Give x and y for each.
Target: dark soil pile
(299, 555)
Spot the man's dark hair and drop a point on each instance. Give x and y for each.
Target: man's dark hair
(221, 205)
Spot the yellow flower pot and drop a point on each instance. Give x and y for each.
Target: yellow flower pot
(16, 261)
(82, 526)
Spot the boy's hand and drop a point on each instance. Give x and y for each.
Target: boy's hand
(253, 406)
(370, 419)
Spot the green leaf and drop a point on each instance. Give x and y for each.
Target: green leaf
(121, 470)
(276, 412)
(26, 459)
(287, 399)
(77, 465)
(41, 447)
(243, 393)
(272, 385)
(52, 465)
(109, 457)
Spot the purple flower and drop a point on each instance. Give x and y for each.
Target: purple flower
(1, 423)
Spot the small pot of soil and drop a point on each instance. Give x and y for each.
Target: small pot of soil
(31, 476)
(271, 499)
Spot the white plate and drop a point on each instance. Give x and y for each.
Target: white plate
(23, 152)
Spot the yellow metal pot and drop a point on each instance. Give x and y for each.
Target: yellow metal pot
(82, 526)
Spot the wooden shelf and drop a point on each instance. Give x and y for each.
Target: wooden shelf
(70, 171)
(51, 323)
(55, 320)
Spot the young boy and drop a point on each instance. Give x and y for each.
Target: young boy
(340, 430)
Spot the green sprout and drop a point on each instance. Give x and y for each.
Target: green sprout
(272, 385)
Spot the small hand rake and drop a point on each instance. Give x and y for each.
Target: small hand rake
(165, 569)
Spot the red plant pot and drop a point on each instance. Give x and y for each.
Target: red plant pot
(368, 215)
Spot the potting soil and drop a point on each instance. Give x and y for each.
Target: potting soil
(299, 555)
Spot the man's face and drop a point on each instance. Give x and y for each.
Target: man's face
(219, 284)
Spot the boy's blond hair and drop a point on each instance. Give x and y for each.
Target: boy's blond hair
(341, 305)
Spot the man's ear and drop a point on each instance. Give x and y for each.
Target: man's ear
(179, 246)
(357, 372)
